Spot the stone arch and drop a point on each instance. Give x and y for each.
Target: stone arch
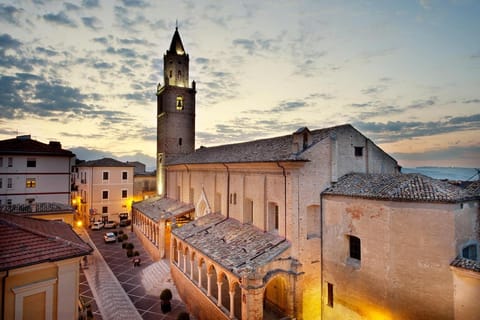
(195, 265)
(225, 289)
(179, 255)
(174, 251)
(212, 271)
(237, 300)
(187, 266)
(203, 274)
(275, 297)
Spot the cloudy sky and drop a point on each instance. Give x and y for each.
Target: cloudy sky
(405, 73)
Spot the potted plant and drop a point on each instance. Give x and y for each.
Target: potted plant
(165, 297)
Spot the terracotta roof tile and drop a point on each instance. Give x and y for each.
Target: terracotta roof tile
(24, 145)
(105, 162)
(264, 150)
(401, 187)
(237, 247)
(466, 264)
(27, 241)
(36, 208)
(157, 208)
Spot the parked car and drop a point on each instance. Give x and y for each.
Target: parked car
(110, 225)
(125, 222)
(97, 225)
(109, 237)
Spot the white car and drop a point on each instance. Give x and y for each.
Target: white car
(109, 237)
(97, 225)
(110, 225)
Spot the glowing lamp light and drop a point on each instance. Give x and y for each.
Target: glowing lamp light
(79, 223)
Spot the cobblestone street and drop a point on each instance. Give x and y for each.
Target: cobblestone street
(118, 290)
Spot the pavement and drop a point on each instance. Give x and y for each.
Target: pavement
(116, 289)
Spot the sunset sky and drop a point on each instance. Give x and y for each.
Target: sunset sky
(404, 73)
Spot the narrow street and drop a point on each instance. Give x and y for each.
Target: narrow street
(117, 289)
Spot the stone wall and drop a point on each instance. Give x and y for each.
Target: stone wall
(404, 270)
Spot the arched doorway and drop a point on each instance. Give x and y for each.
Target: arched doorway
(275, 298)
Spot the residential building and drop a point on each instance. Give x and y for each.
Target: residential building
(39, 268)
(104, 189)
(32, 171)
(144, 183)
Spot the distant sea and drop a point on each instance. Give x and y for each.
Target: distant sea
(450, 173)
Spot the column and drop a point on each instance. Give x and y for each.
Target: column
(232, 302)
(184, 263)
(191, 268)
(209, 283)
(199, 274)
(219, 289)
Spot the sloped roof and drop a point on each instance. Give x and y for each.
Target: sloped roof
(399, 187)
(24, 145)
(105, 162)
(176, 46)
(158, 208)
(36, 208)
(466, 264)
(237, 247)
(28, 241)
(264, 150)
(474, 187)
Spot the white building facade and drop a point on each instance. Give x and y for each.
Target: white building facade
(104, 189)
(33, 172)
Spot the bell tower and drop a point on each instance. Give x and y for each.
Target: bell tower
(175, 110)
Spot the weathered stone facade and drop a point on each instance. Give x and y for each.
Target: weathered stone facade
(254, 248)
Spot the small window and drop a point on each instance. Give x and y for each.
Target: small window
(31, 163)
(179, 103)
(1, 183)
(179, 141)
(9, 183)
(105, 175)
(10, 162)
(31, 183)
(179, 74)
(248, 211)
(470, 252)
(124, 193)
(329, 294)
(1, 162)
(273, 217)
(358, 151)
(104, 209)
(124, 175)
(105, 194)
(355, 249)
(171, 73)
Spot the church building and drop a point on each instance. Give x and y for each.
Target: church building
(242, 223)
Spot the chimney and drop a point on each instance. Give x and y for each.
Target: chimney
(55, 144)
